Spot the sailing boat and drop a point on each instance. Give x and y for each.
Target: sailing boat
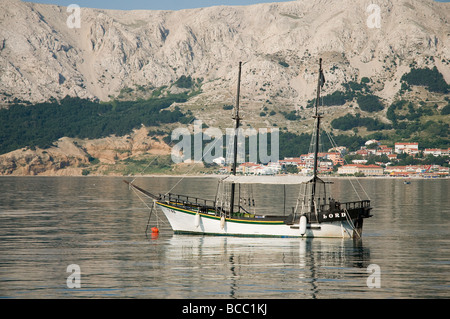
(315, 214)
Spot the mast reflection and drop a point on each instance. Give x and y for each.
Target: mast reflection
(235, 267)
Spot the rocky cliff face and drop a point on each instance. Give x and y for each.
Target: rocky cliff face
(70, 157)
(41, 57)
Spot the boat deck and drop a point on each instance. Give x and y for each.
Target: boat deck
(328, 212)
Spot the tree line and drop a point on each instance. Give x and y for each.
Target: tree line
(42, 124)
(430, 78)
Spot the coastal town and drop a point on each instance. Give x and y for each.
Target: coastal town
(373, 159)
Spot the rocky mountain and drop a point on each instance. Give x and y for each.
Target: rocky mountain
(41, 56)
(112, 53)
(71, 156)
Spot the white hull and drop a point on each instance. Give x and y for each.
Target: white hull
(183, 221)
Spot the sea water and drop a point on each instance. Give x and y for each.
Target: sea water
(85, 237)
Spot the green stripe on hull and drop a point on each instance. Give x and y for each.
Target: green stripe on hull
(233, 220)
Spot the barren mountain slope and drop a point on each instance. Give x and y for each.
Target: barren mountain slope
(41, 57)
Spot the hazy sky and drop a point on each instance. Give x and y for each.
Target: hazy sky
(152, 4)
(155, 4)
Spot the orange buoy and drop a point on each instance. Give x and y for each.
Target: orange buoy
(155, 230)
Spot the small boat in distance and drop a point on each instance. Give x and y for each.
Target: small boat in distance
(229, 214)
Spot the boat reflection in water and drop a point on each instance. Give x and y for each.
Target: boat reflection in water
(236, 267)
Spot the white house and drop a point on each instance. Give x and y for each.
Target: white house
(356, 161)
(408, 148)
(219, 161)
(435, 152)
(369, 142)
(263, 170)
(369, 170)
(274, 166)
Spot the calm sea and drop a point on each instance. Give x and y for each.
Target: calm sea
(98, 224)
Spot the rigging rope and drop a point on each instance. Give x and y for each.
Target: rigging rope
(149, 216)
(334, 145)
(350, 222)
(142, 172)
(145, 203)
(213, 144)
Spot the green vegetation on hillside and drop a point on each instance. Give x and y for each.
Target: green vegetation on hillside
(44, 123)
(40, 125)
(446, 109)
(291, 116)
(353, 90)
(369, 103)
(293, 145)
(430, 78)
(349, 122)
(149, 91)
(409, 122)
(335, 98)
(418, 124)
(185, 82)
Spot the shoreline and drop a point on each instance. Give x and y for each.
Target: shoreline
(223, 176)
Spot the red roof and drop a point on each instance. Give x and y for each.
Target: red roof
(248, 164)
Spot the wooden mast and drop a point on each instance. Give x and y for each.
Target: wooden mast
(320, 82)
(235, 143)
